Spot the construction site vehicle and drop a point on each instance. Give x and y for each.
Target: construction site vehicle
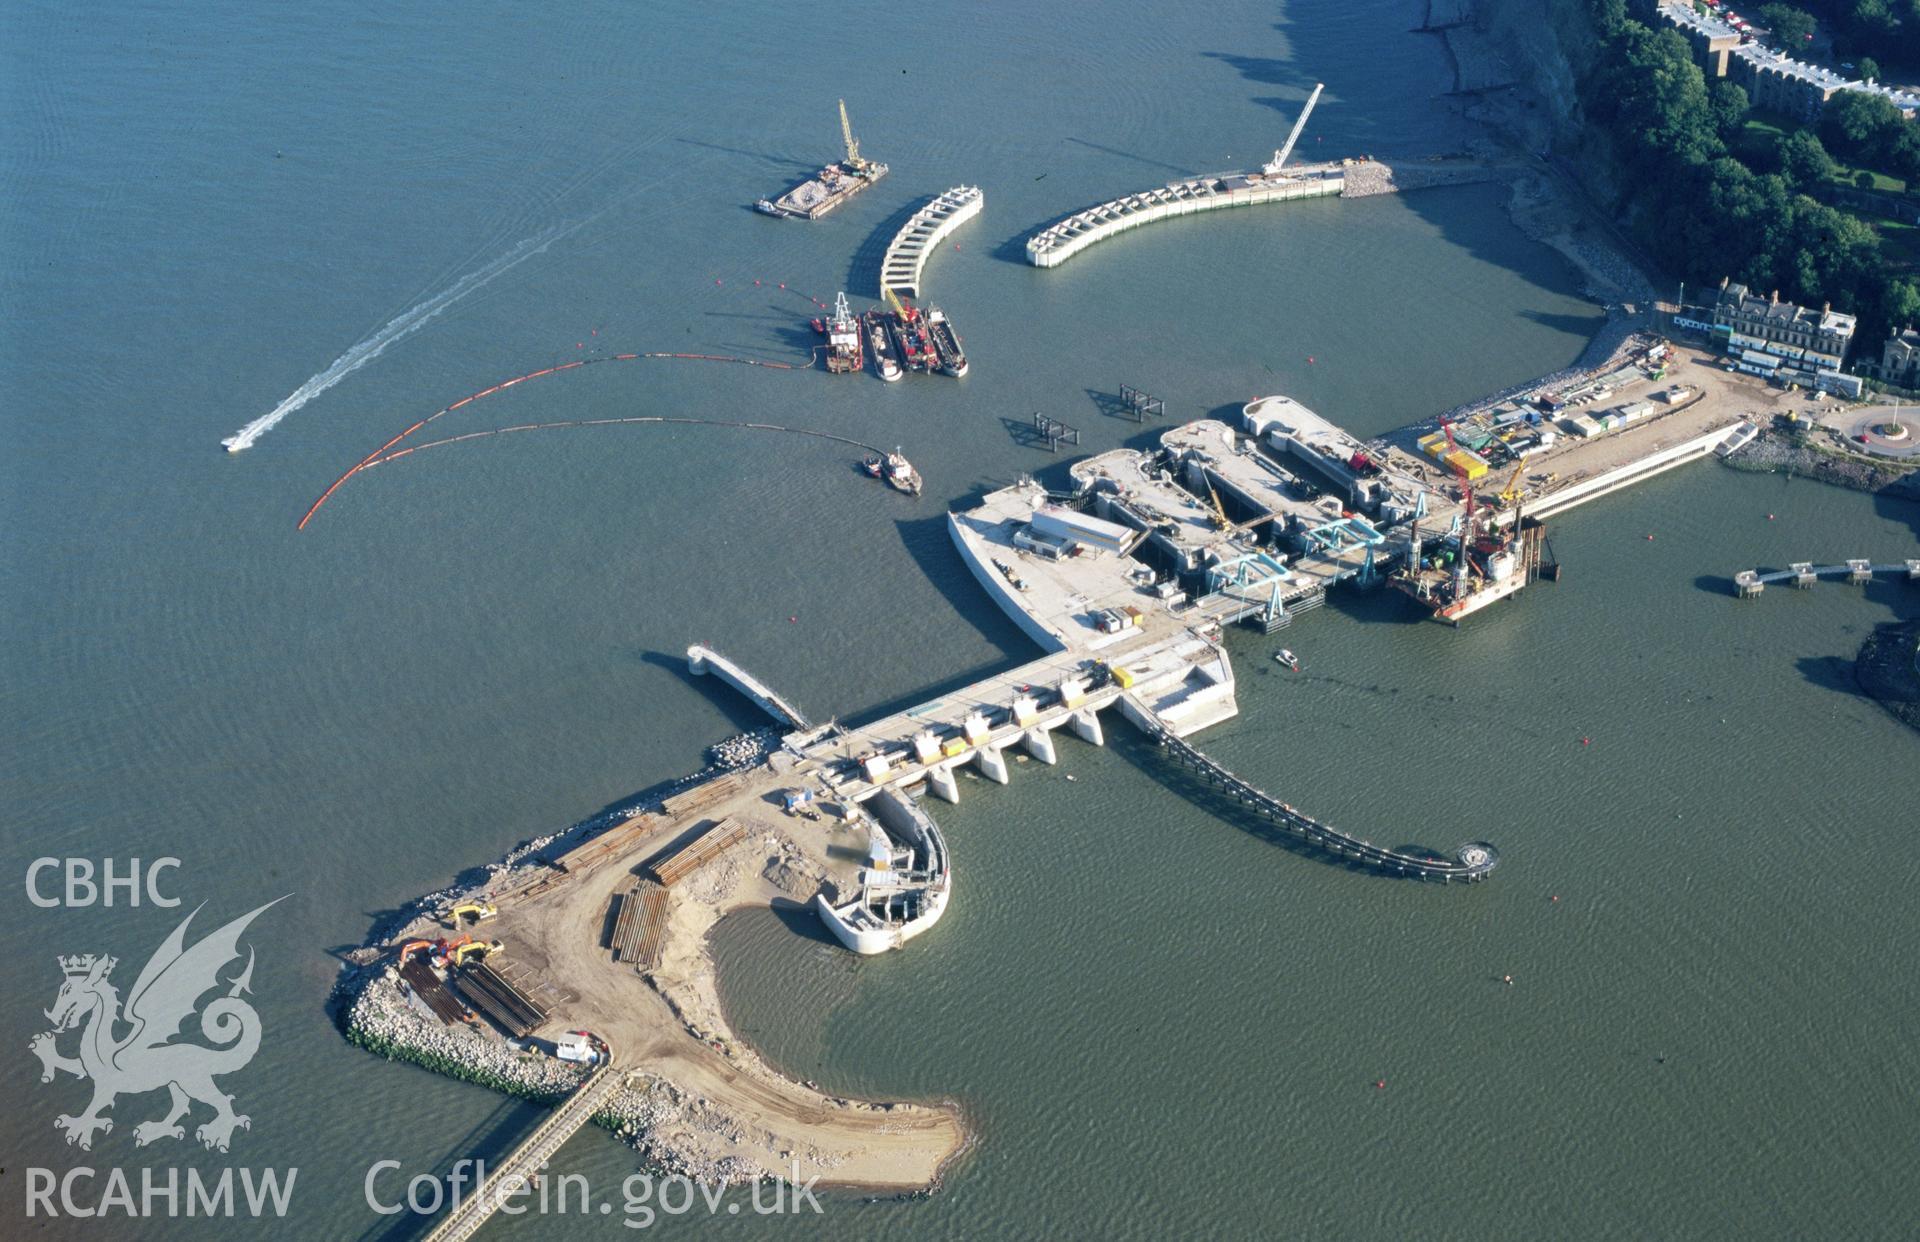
(474, 911)
(1511, 492)
(466, 948)
(1219, 515)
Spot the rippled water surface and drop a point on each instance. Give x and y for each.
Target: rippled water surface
(1157, 1021)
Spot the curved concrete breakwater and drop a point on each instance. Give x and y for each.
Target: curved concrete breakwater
(914, 244)
(1057, 243)
(1358, 178)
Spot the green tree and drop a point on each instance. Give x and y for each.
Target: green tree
(1791, 27)
(1868, 69)
(1861, 127)
(1834, 257)
(1729, 105)
(1655, 97)
(1867, 24)
(1900, 304)
(1906, 44)
(1902, 153)
(1803, 160)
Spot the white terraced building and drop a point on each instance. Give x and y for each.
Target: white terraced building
(1771, 79)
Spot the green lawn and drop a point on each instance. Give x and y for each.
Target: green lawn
(1899, 240)
(1763, 129)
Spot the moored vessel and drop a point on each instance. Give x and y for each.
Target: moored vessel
(907, 325)
(844, 354)
(896, 471)
(946, 343)
(832, 185)
(885, 360)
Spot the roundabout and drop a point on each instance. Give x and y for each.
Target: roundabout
(1886, 432)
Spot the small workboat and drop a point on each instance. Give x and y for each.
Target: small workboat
(900, 474)
(1287, 658)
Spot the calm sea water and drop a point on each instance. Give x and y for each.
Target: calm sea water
(1156, 1021)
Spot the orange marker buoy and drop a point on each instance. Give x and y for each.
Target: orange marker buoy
(1649, 538)
(1380, 1084)
(717, 282)
(1309, 357)
(783, 284)
(791, 620)
(756, 284)
(1769, 517)
(1556, 897)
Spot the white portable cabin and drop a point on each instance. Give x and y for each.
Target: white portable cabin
(1080, 528)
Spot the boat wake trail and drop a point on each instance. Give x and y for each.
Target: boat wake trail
(399, 326)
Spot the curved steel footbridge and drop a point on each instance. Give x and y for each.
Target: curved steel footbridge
(1803, 574)
(910, 248)
(1473, 861)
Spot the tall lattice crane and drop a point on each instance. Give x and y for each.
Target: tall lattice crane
(854, 162)
(1273, 166)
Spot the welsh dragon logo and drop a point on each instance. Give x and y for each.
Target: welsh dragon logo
(146, 1058)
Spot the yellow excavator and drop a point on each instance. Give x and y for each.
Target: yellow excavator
(459, 951)
(472, 911)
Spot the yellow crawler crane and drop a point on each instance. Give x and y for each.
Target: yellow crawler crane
(1513, 491)
(1220, 519)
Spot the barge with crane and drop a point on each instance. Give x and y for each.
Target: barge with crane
(832, 185)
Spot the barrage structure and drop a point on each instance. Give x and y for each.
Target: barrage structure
(1125, 584)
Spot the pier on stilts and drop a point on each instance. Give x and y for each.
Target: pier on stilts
(516, 1173)
(1801, 575)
